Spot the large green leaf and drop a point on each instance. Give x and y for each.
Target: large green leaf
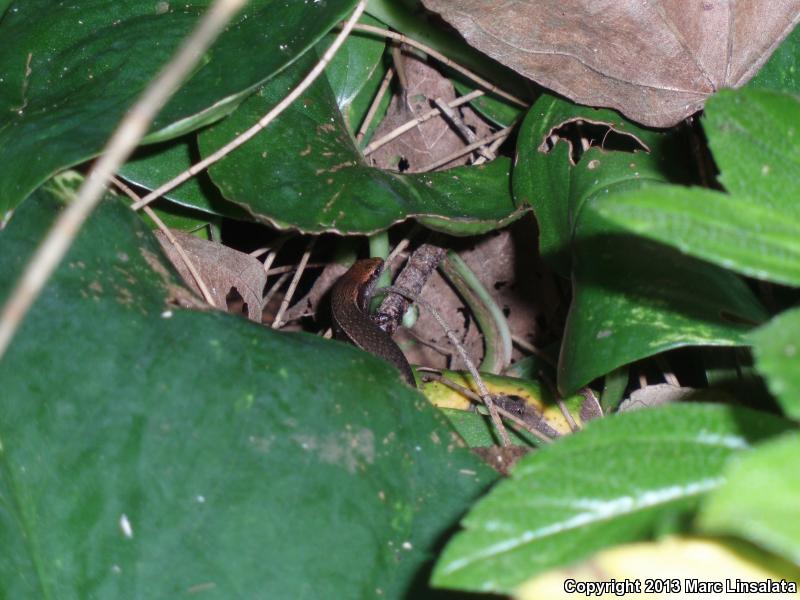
(777, 350)
(631, 298)
(735, 232)
(759, 500)
(150, 451)
(305, 172)
(615, 482)
(753, 134)
(622, 156)
(70, 70)
(756, 230)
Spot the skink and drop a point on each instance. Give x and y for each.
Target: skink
(350, 307)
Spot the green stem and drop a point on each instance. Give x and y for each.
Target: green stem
(489, 317)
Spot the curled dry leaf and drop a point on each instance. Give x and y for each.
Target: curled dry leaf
(656, 62)
(221, 268)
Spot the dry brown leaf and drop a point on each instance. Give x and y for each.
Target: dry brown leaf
(431, 140)
(221, 268)
(655, 61)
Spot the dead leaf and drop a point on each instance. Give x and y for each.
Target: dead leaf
(431, 140)
(221, 268)
(656, 62)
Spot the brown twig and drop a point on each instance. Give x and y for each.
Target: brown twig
(277, 323)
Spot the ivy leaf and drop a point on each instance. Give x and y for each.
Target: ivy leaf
(305, 172)
(150, 451)
(71, 70)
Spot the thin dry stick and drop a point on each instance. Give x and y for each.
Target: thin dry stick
(456, 121)
(178, 248)
(276, 324)
(486, 397)
(467, 149)
(290, 268)
(265, 120)
(434, 112)
(268, 296)
(373, 108)
(273, 253)
(442, 59)
(131, 129)
(493, 147)
(402, 244)
(477, 399)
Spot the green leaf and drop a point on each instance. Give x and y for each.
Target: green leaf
(305, 172)
(631, 298)
(755, 137)
(735, 232)
(612, 483)
(153, 165)
(777, 349)
(150, 451)
(782, 70)
(355, 62)
(622, 156)
(71, 70)
(758, 501)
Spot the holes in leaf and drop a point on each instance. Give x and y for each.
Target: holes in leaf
(580, 135)
(235, 303)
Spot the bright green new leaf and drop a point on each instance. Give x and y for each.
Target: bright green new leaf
(736, 232)
(616, 481)
(149, 451)
(305, 172)
(69, 71)
(758, 501)
(777, 349)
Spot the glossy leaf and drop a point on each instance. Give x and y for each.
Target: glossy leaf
(777, 349)
(156, 164)
(758, 501)
(150, 451)
(631, 298)
(612, 483)
(354, 63)
(305, 172)
(70, 70)
(735, 232)
(546, 178)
